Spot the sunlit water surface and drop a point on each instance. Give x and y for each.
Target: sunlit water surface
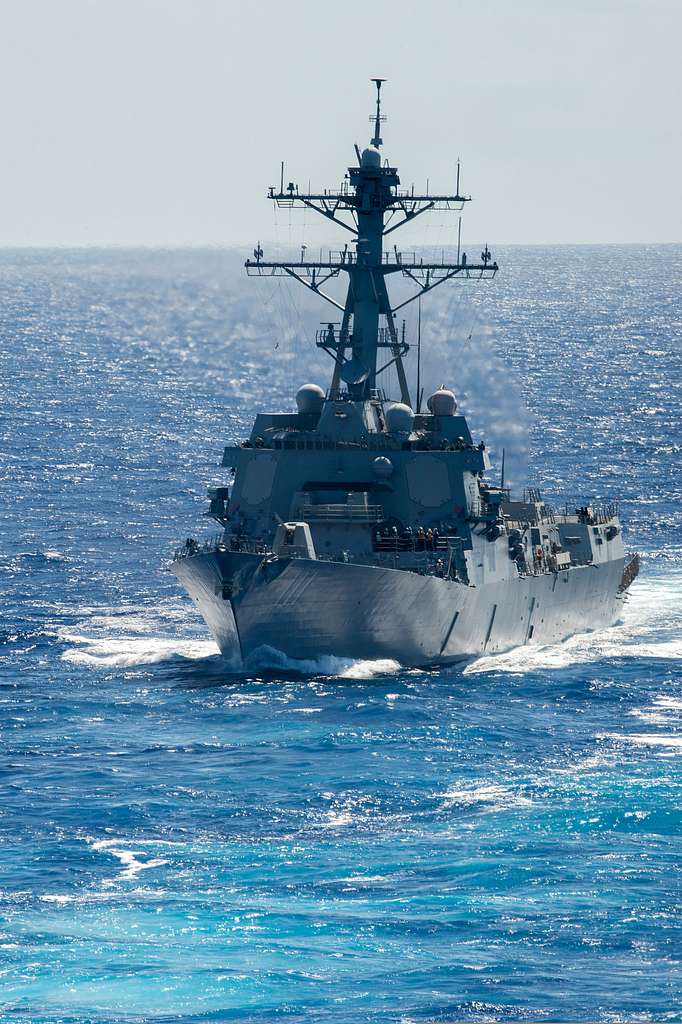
(346, 841)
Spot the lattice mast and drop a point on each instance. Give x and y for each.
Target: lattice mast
(370, 205)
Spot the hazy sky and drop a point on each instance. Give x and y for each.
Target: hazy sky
(162, 122)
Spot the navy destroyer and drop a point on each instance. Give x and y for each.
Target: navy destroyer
(363, 527)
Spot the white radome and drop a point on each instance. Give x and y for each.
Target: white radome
(442, 403)
(309, 398)
(399, 419)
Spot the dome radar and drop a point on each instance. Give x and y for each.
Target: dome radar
(310, 399)
(442, 403)
(399, 419)
(371, 157)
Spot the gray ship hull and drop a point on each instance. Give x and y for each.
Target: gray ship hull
(307, 609)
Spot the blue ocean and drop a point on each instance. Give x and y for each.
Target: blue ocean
(344, 841)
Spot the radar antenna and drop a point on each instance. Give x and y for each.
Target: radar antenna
(370, 204)
(378, 117)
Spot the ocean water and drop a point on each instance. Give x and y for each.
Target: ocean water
(342, 841)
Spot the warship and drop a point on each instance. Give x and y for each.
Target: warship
(360, 526)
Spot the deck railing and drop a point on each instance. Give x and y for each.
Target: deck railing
(343, 512)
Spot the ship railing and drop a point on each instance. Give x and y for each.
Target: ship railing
(547, 565)
(340, 394)
(372, 442)
(301, 443)
(427, 562)
(548, 514)
(250, 545)
(442, 556)
(412, 264)
(581, 560)
(433, 259)
(331, 338)
(446, 561)
(409, 543)
(343, 512)
(593, 515)
(439, 258)
(345, 192)
(194, 547)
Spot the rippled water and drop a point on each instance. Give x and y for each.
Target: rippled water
(346, 841)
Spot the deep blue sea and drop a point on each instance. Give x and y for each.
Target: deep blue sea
(356, 841)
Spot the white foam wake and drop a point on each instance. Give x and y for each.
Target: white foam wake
(269, 659)
(131, 635)
(651, 628)
(126, 652)
(125, 638)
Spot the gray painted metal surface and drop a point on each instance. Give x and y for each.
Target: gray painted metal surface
(308, 609)
(357, 527)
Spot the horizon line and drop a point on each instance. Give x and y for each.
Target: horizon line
(228, 246)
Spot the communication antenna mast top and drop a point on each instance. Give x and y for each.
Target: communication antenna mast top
(378, 117)
(370, 204)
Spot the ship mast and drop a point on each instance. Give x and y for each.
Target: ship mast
(370, 205)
